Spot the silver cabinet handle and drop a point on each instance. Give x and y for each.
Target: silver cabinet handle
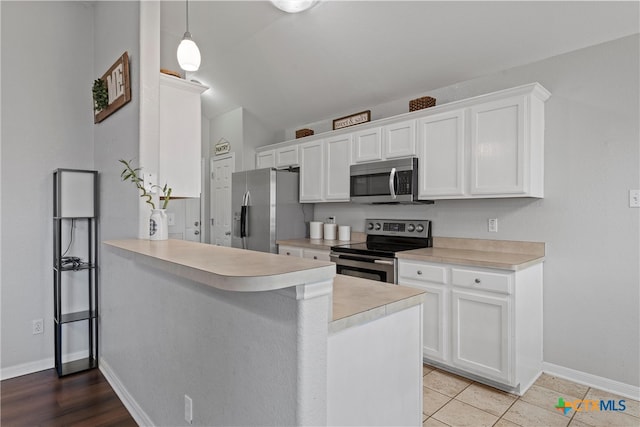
(477, 280)
(392, 188)
(288, 253)
(419, 272)
(315, 257)
(196, 232)
(197, 223)
(228, 233)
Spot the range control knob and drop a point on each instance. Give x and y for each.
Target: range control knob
(411, 227)
(370, 226)
(378, 226)
(419, 228)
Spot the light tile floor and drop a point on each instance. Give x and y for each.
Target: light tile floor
(450, 400)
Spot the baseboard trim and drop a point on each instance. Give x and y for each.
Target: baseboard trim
(26, 368)
(606, 384)
(140, 417)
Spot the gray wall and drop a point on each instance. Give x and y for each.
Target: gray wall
(47, 123)
(591, 291)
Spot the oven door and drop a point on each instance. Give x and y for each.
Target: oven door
(367, 267)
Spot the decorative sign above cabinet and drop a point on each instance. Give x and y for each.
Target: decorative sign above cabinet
(112, 90)
(354, 119)
(222, 147)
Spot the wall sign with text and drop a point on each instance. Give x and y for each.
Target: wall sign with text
(352, 120)
(112, 90)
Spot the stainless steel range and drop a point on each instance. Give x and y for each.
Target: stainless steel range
(376, 258)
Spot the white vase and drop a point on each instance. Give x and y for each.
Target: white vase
(158, 225)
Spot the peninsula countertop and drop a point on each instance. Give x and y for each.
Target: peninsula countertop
(226, 268)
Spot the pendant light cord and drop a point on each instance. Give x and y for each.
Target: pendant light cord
(187, 13)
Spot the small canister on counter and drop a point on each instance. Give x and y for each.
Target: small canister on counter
(315, 229)
(330, 231)
(344, 233)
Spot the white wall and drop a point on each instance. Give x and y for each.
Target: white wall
(591, 280)
(47, 123)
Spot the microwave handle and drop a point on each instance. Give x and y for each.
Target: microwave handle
(392, 187)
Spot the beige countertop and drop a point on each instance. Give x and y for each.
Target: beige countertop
(500, 254)
(356, 300)
(226, 268)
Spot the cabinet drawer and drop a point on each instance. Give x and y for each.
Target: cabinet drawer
(422, 272)
(482, 280)
(316, 254)
(290, 251)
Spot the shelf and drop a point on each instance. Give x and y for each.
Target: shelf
(77, 316)
(78, 366)
(83, 267)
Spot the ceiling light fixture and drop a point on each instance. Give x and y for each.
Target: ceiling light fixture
(188, 52)
(294, 6)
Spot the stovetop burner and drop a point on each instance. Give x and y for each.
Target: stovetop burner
(386, 237)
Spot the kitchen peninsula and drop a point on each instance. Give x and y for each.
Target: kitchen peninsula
(262, 339)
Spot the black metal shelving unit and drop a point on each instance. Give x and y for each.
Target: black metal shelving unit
(75, 201)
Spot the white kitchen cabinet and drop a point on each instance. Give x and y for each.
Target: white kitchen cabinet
(312, 171)
(499, 160)
(399, 139)
(481, 343)
(282, 157)
(300, 252)
(266, 159)
(385, 142)
(290, 251)
(441, 142)
(367, 145)
(337, 153)
(324, 170)
(432, 280)
(490, 320)
(318, 254)
(180, 134)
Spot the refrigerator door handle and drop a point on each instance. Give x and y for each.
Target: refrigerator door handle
(243, 221)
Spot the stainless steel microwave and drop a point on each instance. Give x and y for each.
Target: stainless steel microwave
(388, 181)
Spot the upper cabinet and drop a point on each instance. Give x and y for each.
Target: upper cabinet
(490, 146)
(180, 134)
(385, 142)
(324, 169)
(282, 157)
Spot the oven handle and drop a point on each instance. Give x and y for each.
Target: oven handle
(392, 187)
(362, 259)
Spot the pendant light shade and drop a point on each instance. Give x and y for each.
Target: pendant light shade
(294, 6)
(188, 53)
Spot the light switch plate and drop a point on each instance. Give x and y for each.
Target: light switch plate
(634, 198)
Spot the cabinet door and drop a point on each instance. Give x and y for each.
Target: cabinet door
(338, 160)
(441, 155)
(481, 334)
(180, 133)
(287, 156)
(312, 171)
(266, 159)
(400, 139)
(367, 145)
(321, 255)
(498, 147)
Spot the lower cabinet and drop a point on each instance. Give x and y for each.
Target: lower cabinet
(483, 322)
(319, 254)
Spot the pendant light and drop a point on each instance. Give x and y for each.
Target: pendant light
(188, 52)
(294, 6)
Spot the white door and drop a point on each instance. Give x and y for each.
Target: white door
(192, 229)
(220, 204)
(338, 160)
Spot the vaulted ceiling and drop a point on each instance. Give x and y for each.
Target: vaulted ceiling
(292, 69)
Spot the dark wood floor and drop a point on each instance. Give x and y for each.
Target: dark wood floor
(43, 399)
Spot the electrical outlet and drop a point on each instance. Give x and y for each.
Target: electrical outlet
(188, 409)
(634, 198)
(171, 218)
(492, 224)
(38, 326)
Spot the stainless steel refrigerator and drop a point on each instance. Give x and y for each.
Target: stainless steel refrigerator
(265, 207)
